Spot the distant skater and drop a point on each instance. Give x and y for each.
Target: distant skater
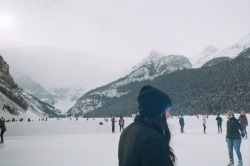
(3, 129)
(243, 122)
(113, 124)
(219, 123)
(204, 123)
(182, 123)
(121, 123)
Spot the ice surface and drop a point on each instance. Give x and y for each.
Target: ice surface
(86, 143)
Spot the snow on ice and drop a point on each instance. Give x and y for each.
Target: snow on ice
(86, 143)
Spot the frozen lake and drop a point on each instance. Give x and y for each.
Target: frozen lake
(86, 143)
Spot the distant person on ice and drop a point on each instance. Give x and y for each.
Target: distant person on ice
(182, 123)
(121, 123)
(204, 121)
(219, 123)
(243, 122)
(145, 142)
(234, 134)
(3, 128)
(113, 124)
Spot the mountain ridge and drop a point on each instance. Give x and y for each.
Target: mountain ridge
(149, 68)
(207, 90)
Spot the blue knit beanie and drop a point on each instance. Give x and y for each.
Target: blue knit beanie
(152, 101)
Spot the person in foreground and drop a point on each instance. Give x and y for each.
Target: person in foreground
(233, 137)
(145, 142)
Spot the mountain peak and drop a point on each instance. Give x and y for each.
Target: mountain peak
(155, 55)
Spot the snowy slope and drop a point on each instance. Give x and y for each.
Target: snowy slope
(212, 52)
(22, 113)
(35, 108)
(65, 98)
(198, 60)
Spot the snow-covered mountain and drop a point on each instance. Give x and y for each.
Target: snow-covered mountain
(218, 88)
(151, 67)
(19, 103)
(212, 52)
(154, 65)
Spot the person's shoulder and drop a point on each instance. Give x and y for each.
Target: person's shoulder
(144, 130)
(234, 120)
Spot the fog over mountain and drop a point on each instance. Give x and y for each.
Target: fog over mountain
(61, 98)
(17, 103)
(94, 53)
(212, 52)
(60, 67)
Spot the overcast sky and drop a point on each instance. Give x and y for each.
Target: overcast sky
(100, 39)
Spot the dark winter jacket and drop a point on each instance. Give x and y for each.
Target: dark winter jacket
(243, 120)
(219, 120)
(181, 121)
(2, 124)
(140, 145)
(233, 127)
(113, 121)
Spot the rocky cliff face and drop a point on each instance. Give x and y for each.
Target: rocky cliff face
(5, 77)
(8, 86)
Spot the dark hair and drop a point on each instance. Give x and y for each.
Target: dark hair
(158, 123)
